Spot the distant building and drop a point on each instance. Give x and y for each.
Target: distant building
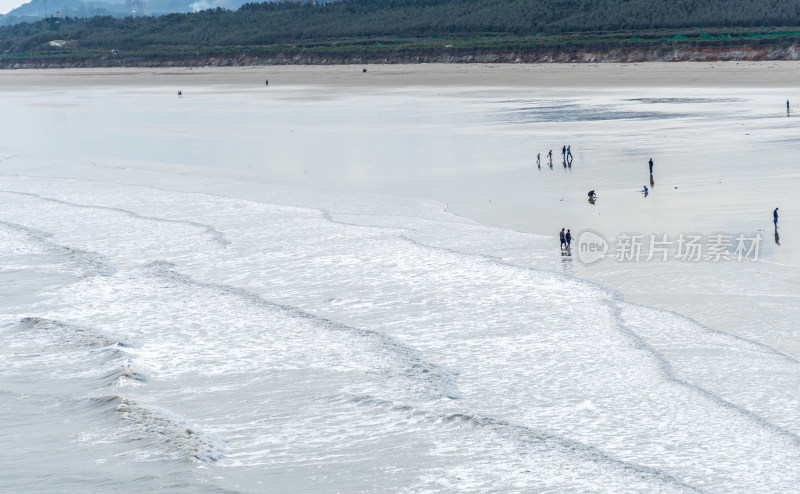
(136, 7)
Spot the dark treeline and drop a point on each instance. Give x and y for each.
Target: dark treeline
(305, 23)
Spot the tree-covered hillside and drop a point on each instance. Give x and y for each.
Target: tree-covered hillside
(349, 21)
(35, 10)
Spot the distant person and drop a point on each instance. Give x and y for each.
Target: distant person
(539, 160)
(568, 238)
(550, 155)
(563, 237)
(569, 153)
(651, 166)
(787, 106)
(645, 191)
(775, 216)
(564, 152)
(592, 195)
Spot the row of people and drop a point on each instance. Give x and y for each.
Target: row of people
(566, 156)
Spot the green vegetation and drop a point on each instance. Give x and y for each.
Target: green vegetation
(391, 25)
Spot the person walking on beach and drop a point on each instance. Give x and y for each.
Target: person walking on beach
(538, 160)
(787, 106)
(550, 155)
(568, 238)
(569, 153)
(563, 237)
(775, 217)
(651, 166)
(563, 152)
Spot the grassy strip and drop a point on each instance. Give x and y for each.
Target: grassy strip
(387, 45)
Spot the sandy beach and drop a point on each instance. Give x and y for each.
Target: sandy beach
(351, 281)
(719, 151)
(549, 78)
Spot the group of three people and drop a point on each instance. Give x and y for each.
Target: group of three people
(566, 154)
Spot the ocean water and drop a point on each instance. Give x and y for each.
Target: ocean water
(240, 291)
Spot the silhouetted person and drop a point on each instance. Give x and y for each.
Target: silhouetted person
(645, 191)
(563, 237)
(787, 107)
(651, 166)
(569, 153)
(564, 153)
(179, 93)
(592, 197)
(266, 83)
(539, 160)
(568, 238)
(550, 155)
(775, 217)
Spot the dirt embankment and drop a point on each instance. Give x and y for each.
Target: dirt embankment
(592, 53)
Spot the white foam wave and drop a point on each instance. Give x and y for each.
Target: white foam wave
(302, 305)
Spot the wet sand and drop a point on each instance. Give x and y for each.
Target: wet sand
(718, 133)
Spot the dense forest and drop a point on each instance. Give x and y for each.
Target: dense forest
(366, 22)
